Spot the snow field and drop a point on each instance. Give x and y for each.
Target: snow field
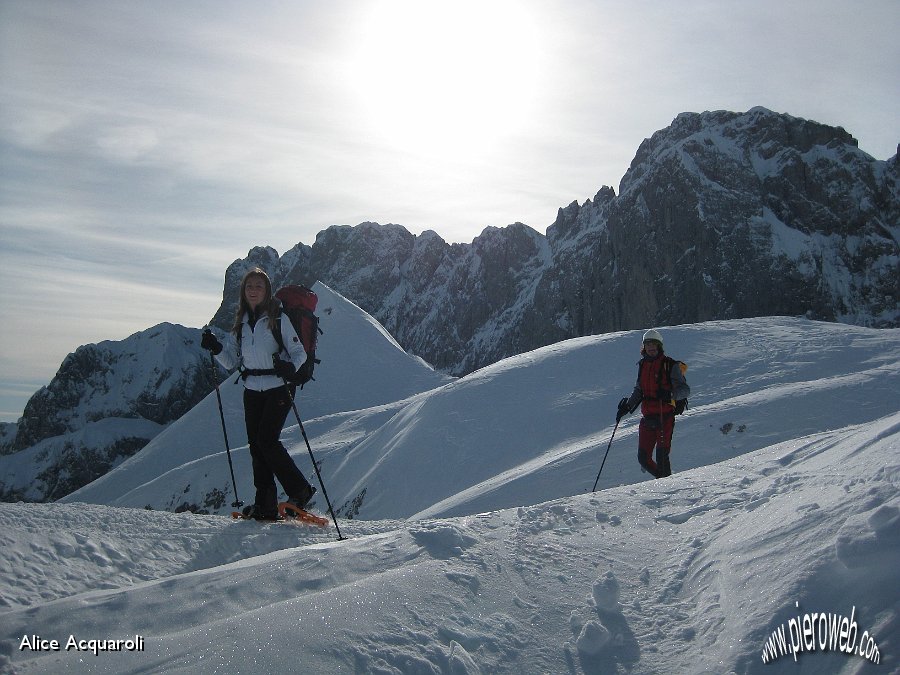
(492, 557)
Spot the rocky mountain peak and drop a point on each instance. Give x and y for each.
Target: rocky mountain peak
(720, 215)
(105, 403)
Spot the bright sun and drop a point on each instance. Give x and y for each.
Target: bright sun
(449, 78)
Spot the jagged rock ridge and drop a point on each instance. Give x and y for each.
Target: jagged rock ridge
(721, 215)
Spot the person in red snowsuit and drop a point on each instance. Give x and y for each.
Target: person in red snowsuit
(660, 383)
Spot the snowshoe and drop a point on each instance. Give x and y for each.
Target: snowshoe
(290, 511)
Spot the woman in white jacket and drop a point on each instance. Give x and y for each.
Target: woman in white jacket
(267, 399)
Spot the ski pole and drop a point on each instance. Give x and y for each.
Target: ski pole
(237, 502)
(312, 457)
(607, 453)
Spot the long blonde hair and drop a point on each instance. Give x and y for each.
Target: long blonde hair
(269, 303)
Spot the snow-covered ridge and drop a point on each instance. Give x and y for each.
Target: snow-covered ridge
(361, 368)
(532, 427)
(111, 399)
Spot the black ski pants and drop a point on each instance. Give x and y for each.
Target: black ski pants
(265, 413)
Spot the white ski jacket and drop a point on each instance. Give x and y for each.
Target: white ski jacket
(257, 347)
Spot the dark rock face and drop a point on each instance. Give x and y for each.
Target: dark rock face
(721, 215)
(157, 375)
(725, 215)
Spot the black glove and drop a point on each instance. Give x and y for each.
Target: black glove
(210, 343)
(283, 369)
(622, 410)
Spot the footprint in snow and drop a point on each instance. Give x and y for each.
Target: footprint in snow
(605, 594)
(602, 637)
(442, 540)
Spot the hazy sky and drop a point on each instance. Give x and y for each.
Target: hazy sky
(144, 146)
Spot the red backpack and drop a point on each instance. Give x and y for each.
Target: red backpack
(298, 303)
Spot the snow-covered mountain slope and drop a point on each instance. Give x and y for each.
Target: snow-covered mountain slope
(106, 402)
(361, 367)
(690, 574)
(535, 427)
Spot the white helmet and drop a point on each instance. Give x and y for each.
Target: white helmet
(653, 334)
